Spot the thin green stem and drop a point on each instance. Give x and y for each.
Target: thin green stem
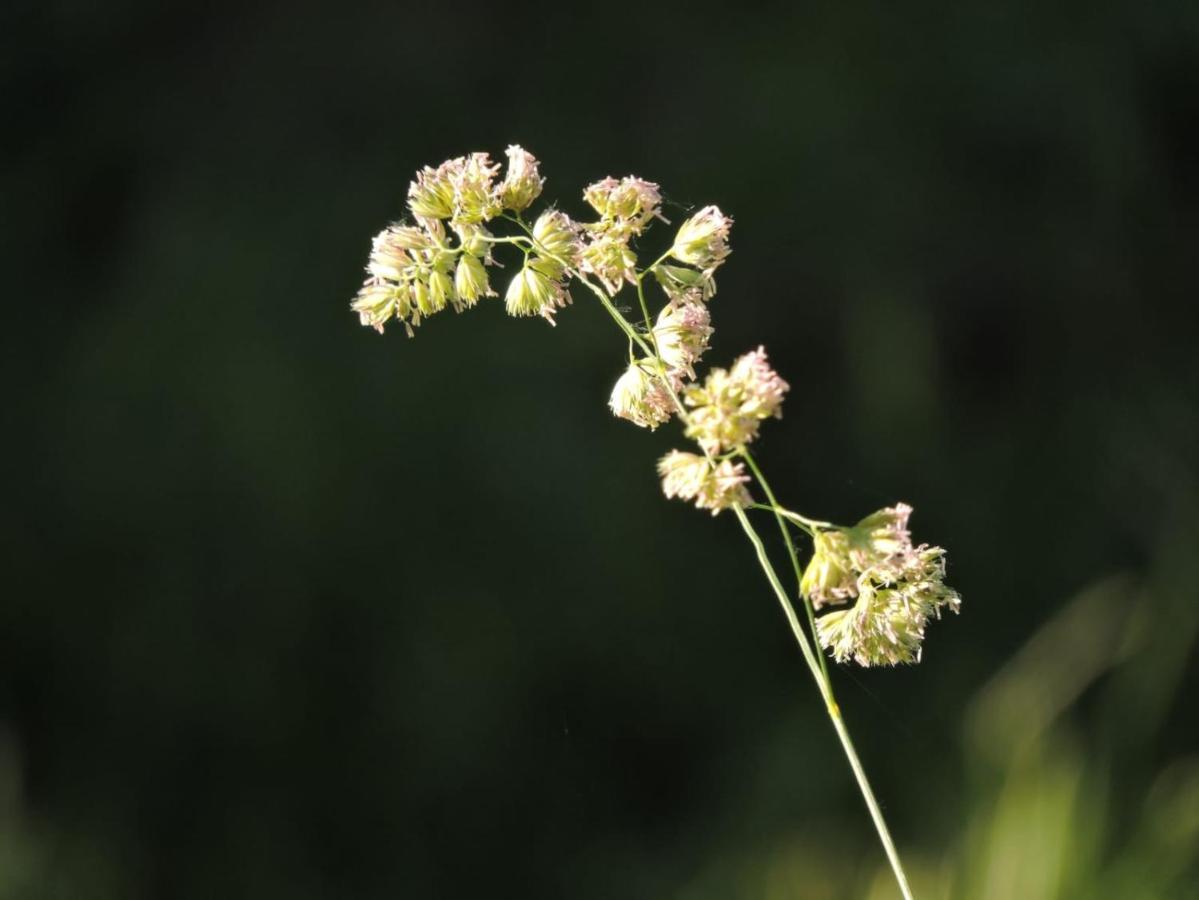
(515, 239)
(808, 525)
(801, 636)
(649, 323)
(663, 376)
(834, 711)
(653, 337)
(657, 262)
(876, 813)
(766, 507)
(790, 544)
(620, 320)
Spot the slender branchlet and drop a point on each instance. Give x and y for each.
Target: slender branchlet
(868, 592)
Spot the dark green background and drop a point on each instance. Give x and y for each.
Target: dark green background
(295, 610)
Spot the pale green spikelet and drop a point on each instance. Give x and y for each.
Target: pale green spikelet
(441, 290)
(681, 333)
(886, 624)
(679, 281)
(390, 252)
(476, 197)
(522, 182)
(558, 236)
(882, 537)
(470, 280)
(379, 301)
(422, 297)
(702, 240)
(431, 194)
(713, 486)
(841, 555)
(630, 203)
(536, 291)
(683, 474)
(829, 577)
(640, 397)
(728, 408)
(609, 258)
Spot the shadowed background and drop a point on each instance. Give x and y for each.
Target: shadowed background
(295, 610)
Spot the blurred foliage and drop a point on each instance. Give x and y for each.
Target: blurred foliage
(292, 610)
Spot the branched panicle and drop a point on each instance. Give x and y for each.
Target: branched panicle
(418, 270)
(875, 591)
(883, 590)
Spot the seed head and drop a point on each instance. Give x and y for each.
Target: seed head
(882, 538)
(729, 407)
(422, 298)
(885, 625)
(476, 198)
(725, 488)
(714, 486)
(640, 396)
(762, 387)
(441, 290)
(431, 195)
(607, 256)
(896, 587)
(390, 251)
(681, 334)
(535, 291)
(558, 236)
(829, 577)
(630, 203)
(522, 183)
(379, 301)
(841, 555)
(702, 240)
(680, 281)
(683, 474)
(470, 280)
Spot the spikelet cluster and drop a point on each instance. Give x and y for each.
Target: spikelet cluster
(896, 588)
(683, 328)
(682, 332)
(462, 190)
(712, 485)
(523, 182)
(626, 208)
(417, 270)
(412, 274)
(703, 240)
(629, 204)
(725, 412)
(641, 397)
(540, 287)
(729, 407)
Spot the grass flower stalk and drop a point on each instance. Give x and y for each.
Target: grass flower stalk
(868, 592)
